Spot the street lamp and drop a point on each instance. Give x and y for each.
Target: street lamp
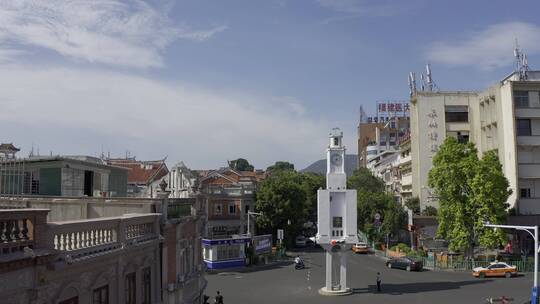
(534, 295)
(249, 213)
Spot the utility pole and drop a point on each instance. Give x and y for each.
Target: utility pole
(533, 231)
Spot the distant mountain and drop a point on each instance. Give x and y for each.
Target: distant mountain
(319, 167)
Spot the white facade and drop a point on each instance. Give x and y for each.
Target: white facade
(336, 217)
(434, 116)
(504, 118)
(181, 181)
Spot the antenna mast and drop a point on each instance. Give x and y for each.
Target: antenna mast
(412, 84)
(522, 65)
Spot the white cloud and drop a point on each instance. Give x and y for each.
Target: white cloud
(357, 8)
(489, 48)
(74, 111)
(113, 32)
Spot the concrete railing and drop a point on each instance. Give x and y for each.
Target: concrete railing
(79, 239)
(18, 228)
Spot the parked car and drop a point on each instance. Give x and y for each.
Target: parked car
(300, 241)
(406, 263)
(360, 248)
(495, 269)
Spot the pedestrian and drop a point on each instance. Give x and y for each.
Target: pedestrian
(378, 282)
(218, 299)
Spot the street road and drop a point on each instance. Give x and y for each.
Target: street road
(284, 284)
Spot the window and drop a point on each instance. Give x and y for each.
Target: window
(217, 209)
(456, 113)
(130, 288)
(525, 193)
(521, 99)
(523, 127)
(336, 141)
(337, 222)
(146, 288)
(232, 208)
(101, 295)
(463, 137)
(227, 252)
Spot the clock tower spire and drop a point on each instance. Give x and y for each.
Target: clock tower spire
(335, 161)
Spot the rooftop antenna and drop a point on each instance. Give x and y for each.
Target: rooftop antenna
(412, 83)
(423, 80)
(522, 65)
(429, 80)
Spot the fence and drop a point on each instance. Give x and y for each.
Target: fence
(468, 265)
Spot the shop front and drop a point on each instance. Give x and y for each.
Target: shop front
(225, 253)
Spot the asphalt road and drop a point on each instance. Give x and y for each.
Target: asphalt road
(284, 284)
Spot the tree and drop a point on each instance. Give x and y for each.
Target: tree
(281, 198)
(240, 164)
(413, 203)
(429, 211)
(311, 182)
(280, 165)
(470, 191)
(372, 199)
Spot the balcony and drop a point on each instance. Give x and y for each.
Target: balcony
(527, 112)
(78, 240)
(178, 208)
(406, 180)
(533, 140)
(18, 231)
(529, 205)
(405, 160)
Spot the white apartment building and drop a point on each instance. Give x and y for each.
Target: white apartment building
(405, 169)
(434, 116)
(504, 118)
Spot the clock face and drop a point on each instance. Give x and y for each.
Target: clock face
(336, 159)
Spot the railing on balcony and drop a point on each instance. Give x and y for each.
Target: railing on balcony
(83, 238)
(17, 229)
(177, 208)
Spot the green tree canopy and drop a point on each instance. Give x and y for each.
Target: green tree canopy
(413, 203)
(281, 198)
(280, 165)
(372, 199)
(241, 164)
(470, 191)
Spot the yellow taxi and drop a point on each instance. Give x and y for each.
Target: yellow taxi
(495, 269)
(360, 248)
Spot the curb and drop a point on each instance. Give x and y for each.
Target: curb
(247, 268)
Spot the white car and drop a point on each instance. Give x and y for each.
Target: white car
(300, 241)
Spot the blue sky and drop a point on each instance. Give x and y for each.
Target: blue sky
(206, 81)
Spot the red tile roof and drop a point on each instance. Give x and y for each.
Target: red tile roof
(142, 172)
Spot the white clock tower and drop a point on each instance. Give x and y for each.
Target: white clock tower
(336, 217)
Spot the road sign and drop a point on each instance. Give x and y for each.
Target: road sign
(280, 234)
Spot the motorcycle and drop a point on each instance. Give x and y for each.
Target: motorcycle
(299, 265)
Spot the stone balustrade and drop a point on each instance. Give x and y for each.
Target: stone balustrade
(82, 238)
(18, 229)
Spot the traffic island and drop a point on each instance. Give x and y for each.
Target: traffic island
(341, 292)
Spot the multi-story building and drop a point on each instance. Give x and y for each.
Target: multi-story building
(504, 118)
(385, 166)
(434, 116)
(62, 176)
(229, 196)
(144, 177)
(405, 168)
(381, 132)
(507, 120)
(96, 250)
